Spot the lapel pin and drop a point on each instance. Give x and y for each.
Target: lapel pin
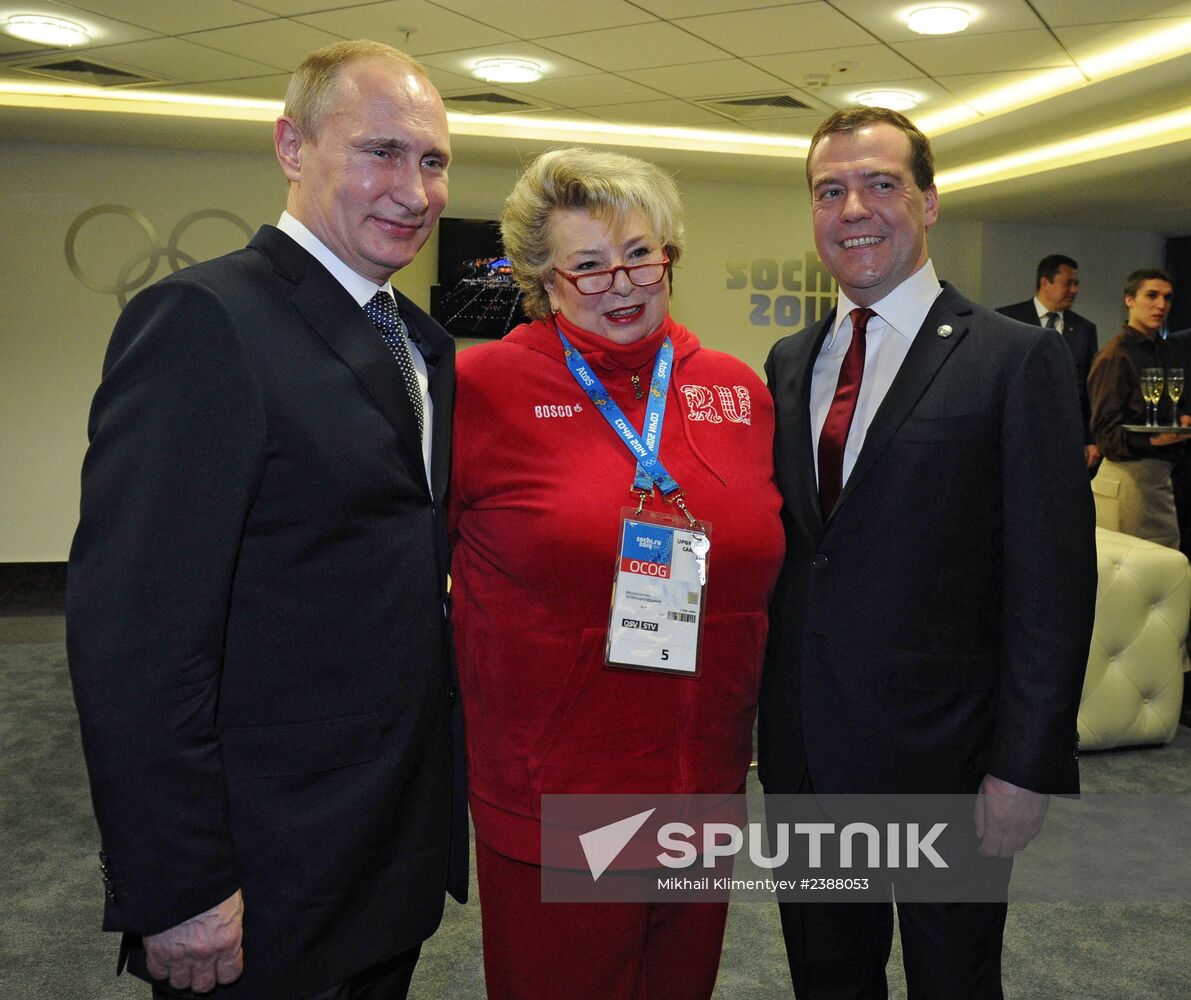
(944, 331)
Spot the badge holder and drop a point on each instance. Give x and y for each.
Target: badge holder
(659, 593)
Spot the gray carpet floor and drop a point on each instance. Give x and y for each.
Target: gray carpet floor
(50, 895)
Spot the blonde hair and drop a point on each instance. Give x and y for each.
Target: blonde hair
(608, 185)
(313, 85)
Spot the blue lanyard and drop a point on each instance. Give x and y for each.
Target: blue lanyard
(650, 470)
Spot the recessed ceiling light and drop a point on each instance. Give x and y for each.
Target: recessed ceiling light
(938, 20)
(45, 30)
(895, 100)
(507, 70)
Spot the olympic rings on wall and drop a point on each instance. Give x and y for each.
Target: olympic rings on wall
(142, 265)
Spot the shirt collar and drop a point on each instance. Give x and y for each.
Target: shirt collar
(1043, 312)
(358, 287)
(1131, 334)
(902, 310)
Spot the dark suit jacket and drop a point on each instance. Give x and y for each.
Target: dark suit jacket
(936, 627)
(1079, 334)
(256, 627)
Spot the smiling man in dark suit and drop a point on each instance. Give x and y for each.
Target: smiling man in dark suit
(1057, 284)
(256, 610)
(931, 625)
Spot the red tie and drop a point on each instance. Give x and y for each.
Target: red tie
(839, 417)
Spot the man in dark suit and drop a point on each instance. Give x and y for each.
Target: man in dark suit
(931, 625)
(1057, 284)
(256, 606)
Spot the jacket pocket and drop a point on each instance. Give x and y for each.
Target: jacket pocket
(300, 747)
(1110, 488)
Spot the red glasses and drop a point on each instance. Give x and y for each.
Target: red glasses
(598, 282)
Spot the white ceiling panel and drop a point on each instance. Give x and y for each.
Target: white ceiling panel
(261, 88)
(174, 59)
(800, 123)
(1060, 13)
(673, 9)
(931, 95)
(888, 21)
(432, 28)
(104, 30)
(584, 91)
(283, 44)
(174, 18)
(985, 53)
(659, 113)
(654, 44)
(537, 20)
(288, 8)
(706, 79)
(627, 59)
(461, 61)
(14, 46)
(452, 83)
(794, 28)
(972, 86)
(1086, 41)
(567, 114)
(843, 66)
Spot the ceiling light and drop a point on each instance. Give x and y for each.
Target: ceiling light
(507, 70)
(895, 100)
(46, 30)
(938, 20)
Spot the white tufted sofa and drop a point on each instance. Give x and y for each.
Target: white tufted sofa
(1133, 691)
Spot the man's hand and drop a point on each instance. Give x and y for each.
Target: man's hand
(202, 952)
(1091, 454)
(1007, 817)
(1162, 440)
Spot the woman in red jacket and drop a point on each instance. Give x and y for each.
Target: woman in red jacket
(603, 402)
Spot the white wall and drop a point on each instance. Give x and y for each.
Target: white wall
(741, 285)
(1011, 254)
(955, 250)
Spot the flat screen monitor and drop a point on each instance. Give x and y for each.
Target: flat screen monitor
(476, 295)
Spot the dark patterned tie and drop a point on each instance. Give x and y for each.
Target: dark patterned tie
(834, 435)
(382, 310)
(1052, 321)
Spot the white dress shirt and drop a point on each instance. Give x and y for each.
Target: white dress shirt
(362, 290)
(1042, 312)
(888, 337)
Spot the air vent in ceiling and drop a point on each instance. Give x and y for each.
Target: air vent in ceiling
(86, 71)
(489, 103)
(760, 106)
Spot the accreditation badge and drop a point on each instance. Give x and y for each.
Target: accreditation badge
(659, 593)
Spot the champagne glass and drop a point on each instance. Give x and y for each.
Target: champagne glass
(1152, 384)
(1174, 389)
(1157, 388)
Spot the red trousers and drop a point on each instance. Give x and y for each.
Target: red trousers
(591, 951)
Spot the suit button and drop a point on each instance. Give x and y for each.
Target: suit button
(452, 695)
(819, 561)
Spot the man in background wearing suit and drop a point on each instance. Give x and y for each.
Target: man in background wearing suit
(1057, 284)
(931, 624)
(256, 604)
